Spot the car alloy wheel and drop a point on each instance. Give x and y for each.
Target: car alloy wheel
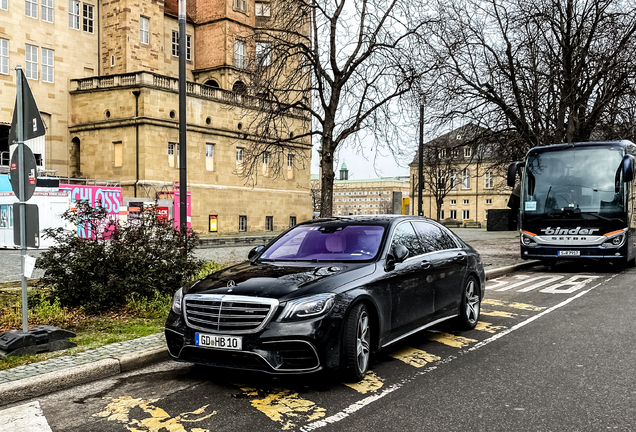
(356, 348)
(470, 305)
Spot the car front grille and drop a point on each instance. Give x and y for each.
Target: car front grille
(228, 314)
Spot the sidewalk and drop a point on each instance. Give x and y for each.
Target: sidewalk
(499, 252)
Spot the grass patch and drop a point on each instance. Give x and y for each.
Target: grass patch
(138, 318)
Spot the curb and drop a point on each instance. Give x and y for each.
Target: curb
(490, 274)
(27, 388)
(16, 391)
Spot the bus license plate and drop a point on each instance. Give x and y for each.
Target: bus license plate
(569, 253)
(219, 341)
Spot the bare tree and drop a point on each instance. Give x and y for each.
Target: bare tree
(344, 65)
(533, 72)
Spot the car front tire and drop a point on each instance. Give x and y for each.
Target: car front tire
(356, 344)
(470, 306)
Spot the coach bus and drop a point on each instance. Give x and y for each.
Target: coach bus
(578, 201)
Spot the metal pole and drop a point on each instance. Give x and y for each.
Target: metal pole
(420, 167)
(20, 138)
(183, 177)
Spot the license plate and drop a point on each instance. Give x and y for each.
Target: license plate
(569, 253)
(219, 341)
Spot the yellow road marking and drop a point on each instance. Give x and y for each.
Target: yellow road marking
(370, 382)
(414, 357)
(525, 306)
(450, 339)
(159, 420)
(522, 306)
(499, 314)
(285, 407)
(487, 327)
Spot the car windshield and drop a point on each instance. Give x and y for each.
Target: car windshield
(332, 242)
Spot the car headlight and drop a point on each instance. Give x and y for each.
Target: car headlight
(528, 239)
(176, 301)
(307, 307)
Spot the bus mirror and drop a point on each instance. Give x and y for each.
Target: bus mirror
(628, 168)
(512, 173)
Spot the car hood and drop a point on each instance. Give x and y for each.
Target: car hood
(279, 280)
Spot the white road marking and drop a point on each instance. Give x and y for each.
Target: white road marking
(575, 283)
(335, 418)
(24, 418)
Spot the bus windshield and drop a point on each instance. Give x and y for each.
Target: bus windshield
(574, 182)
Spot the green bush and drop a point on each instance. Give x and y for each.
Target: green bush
(116, 262)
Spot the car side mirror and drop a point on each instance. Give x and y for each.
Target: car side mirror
(397, 254)
(254, 252)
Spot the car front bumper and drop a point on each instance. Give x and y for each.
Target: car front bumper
(280, 348)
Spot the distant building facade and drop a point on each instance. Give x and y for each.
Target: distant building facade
(105, 77)
(387, 195)
(457, 169)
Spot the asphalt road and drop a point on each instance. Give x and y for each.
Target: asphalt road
(554, 351)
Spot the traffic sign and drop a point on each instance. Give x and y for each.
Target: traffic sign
(29, 171)
(32, 224)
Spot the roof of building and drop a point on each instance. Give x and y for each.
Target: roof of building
(343, 166)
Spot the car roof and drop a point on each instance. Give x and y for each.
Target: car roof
(384, 220)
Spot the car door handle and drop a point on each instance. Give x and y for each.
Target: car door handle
(425, 264)
(460, 258)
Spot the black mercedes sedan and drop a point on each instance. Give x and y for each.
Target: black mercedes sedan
(326, 294)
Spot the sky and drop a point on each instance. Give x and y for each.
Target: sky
(361, 166)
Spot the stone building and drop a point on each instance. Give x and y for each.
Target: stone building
(105, 77)
(457, 169)
(386, 195)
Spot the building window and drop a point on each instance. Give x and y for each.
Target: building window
(466, 214)
(31, 62)
(144, 30)
(269, 223)
(4, 4)
(466, 202)
(442, 153)
(263, 57)
(266, 158)
(488, 200)
(239, 53)
(441, 214)
(74, 14)
(239, 154)
(466, 179)
(87, 18)
(290, 161)
(292, 221)
(171, 147)
(453, 202)
(31, 8)
(488, 180)
(118, 150)
(453, 179)
(47, 10)
(47, 65)
(209, 151)
(240, 5)
(175, 45)
(453, 214)
(112, 61)
(467, 152)
(262, 9)
(242, 223)
(4, 56)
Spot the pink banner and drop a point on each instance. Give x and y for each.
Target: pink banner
(110, 198)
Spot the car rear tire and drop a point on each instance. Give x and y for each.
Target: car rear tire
(470, 306)
(356, 344)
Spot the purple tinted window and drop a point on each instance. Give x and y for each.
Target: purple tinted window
(327, 243)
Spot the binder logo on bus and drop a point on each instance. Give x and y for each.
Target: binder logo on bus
(107, 197)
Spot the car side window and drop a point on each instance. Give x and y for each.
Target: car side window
(405, 235)
(433, 238)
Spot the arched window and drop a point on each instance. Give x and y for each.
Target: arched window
(466, 179)
(212, 83)
(239, 87)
